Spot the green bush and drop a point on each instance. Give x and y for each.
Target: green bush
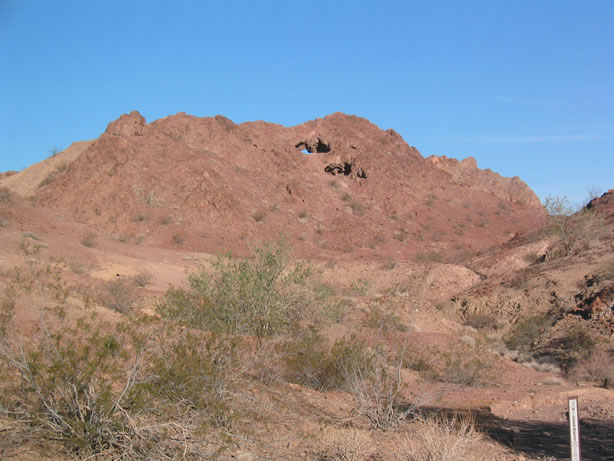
(70, 383)
(192, 372)
(309, 362)
(527, 330)
(261, 296)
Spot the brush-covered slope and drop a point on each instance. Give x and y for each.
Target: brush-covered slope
(335, 184)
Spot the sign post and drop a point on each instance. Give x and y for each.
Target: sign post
(574, 429)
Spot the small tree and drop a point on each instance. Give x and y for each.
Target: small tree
(560, 211)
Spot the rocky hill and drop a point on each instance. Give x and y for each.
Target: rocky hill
(338, 184)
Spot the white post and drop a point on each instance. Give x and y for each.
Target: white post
(574, 429)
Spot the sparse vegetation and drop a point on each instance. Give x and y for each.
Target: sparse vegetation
(31, 235)
(359, 287)
(178, 239)
(527, 330)
(309, 362)
(88, 239)
(143, 278)
(441, 438)
(560, 211)
(383, 320)
(73, 383)
(596, 366)
(481, 320)
(345, 444)
(357, 208)
(151, 200)
(191, 372)
(401, 234)
(429, 256)
(118, 295)
(464, 366)
(259, 215)
(5, 195)
(62, 167)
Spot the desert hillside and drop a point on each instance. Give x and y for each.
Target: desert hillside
(192, 288)
(334, 185)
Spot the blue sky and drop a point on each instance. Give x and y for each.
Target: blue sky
(526, 87)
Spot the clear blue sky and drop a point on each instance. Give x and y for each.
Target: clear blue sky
(526, 87)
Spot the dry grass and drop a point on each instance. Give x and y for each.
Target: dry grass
(440, 438)
(340, 444)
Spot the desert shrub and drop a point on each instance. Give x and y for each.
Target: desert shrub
(346, 197)
(178, 239)
(388, 265)
(401, 234)
(31, 235)
(574, 229)
(597, 367)
(70, 383)
(5, 195)
(345, 444)
(151, 200)
(192, 373)
(118, 295)
(88, 239)
(79, 268)
(262, 295)
(481, 320)
(560, 223)
(440, 438)
(357, 208)
(383, 320)
(66, 388)
(429, 256)
(308, 361)
(378, 393)
(607, 271)
(527, 330)
(463, 366)
(52, 175)
(576, 344)
(139, 218)
(259, 215)
(143, 278)
(359, 287)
